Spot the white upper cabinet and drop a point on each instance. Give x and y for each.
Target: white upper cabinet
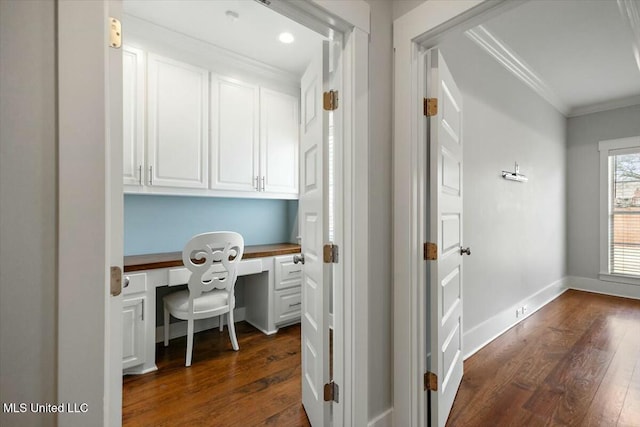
(178, 117)
(234, 129)
(133, 116)
(278, 142)
(188, 131)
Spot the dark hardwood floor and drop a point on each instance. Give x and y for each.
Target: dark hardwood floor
(259, 385)
(575, 362)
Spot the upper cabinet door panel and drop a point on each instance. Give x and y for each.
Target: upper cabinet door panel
(234, 121)
(178, 107)
(279, 141)
(133, 116)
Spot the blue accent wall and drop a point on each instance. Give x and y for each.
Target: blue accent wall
(155, 224)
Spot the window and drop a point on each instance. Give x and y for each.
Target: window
(620, 210)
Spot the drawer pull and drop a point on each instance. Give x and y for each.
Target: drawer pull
(294, 271)
(295, 305)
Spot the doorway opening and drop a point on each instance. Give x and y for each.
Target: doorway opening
(179, 33)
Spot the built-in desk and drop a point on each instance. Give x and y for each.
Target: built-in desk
(272, 297)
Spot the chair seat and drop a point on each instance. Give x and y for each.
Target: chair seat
(178, 302)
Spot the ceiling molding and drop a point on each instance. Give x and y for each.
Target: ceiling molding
(605, 106)
(630, 11)
(508, 58)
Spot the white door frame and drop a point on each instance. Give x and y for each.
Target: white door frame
(83, 252)
(422, 28)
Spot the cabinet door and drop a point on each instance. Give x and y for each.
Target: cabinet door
(279, 142)
(234, 118)
(178, 105)
(133, 331)
(133, 116)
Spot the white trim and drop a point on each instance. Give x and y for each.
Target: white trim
(356, 12)
(619, 278)
(606, 148)
(605, 106)
(82, 102)
(426, 22)
(482, 334)
(509, 59)
(384, 419)
(602, 287)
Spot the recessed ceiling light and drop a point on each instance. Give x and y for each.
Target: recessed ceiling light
(286, 38)
(232, 15)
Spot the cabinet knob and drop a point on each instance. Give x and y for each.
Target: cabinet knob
(125, 282)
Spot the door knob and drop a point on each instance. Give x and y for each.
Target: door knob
(465, 251)
(298, 259)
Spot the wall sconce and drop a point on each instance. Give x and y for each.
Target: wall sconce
(515, 175)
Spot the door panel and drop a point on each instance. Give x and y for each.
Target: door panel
(235, 135)
(314, 232)
(178, 109)
(445, 274)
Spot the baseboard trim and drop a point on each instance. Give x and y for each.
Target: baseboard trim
(385, 419)
(603, 287)
(179, 329)
(490, 329)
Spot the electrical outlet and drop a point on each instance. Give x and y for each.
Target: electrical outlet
(517, 312)
(524, 309)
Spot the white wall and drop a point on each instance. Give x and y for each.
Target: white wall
(516, 231)
(27, 208)
(380, 69)
(584, 133)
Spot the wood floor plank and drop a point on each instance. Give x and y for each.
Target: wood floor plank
(257, 385)
(573, 362)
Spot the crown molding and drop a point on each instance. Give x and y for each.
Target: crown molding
(517, 66)
(605, 106)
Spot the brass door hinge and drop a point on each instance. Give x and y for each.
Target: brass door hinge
(430, 251)
(430, 381)
(330, 100)
(115, 33)
(330, 253)
(116, 281)
(331, 392)
(430, 106)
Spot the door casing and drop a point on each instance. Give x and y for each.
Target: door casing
(421, 29)
(83, 200)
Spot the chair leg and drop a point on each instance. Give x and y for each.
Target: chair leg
(189, 341)
(166, 325)
(232, 332)
(221, 322)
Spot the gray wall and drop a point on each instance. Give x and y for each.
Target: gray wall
(516, 230)
(380, 100)
(27, 208)
(400, 7)
(584, 133)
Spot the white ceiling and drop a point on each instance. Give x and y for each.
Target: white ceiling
(254, 34)
(578, 54)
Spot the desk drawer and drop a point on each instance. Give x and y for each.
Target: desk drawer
(287, 274)
(137, 283)
(288, 305)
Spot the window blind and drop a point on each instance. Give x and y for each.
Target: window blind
(624, 212)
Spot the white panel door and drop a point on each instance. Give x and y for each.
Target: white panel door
(445, 228)
(279, 142)
(132, 116)
(178, 112)
(314, 231)
(234, 121)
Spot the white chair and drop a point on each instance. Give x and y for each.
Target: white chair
(212, 259)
